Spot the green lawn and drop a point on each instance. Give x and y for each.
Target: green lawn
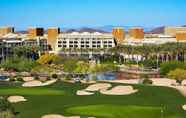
(117, 111)
(60, 98)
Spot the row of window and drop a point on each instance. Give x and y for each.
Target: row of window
(85, 38)
(84, 46)
(94, 42)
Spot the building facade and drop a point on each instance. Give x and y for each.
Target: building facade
(136, 33)
(52, 37)
(119, 35)
(34, 32)
(85, 40)
(173, 30)
(6, 30)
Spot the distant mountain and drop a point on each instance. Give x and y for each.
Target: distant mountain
(91, 30)
(70, 30)
(84, 29)
(158, 30)
(108, 28)
(22, 32)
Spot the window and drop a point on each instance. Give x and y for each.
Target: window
(59, 46)
(105, 46)
(71, 46)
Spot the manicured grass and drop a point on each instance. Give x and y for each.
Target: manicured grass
(60, 98)
(30, 91)
(117, 111)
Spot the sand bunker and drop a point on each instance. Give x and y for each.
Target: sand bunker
(88, 82)
(16, 99)
(119, 90)
(27, 79)
(33, 83)
(36, 83)
(98, 86)
(163, 82)
(60, 116)
(49, 82)
(184, 107)
(83, 93)
(131, 81)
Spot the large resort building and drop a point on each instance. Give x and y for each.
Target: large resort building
(55, 41)
(85, 40)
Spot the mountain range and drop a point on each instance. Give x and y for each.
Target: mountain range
(108, 28)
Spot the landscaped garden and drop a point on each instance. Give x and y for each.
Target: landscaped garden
(61, 98)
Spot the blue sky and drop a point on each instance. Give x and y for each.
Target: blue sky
(79, 13)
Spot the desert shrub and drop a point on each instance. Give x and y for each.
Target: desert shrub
(6, 109)
(68, 78)
(19, 79)
(147, 81)
(19, 64)
(55, 76)
(12, 79)
(178, 74)
(49, 59)
(166, 67)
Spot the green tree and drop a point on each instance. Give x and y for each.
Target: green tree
(70, 65)
(166, 67)
(49, 59)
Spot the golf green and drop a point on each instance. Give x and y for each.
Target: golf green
(61, 98)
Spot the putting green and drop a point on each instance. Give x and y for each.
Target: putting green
(116, 111)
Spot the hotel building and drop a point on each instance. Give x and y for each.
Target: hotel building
(6, 30)
(53, 34)
(173, 30)
(119, 35)
(85, 40)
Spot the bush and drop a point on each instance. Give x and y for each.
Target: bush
(19, 79)
(5, 105)
(6, 109)
(68, 78)
(19, 64)
(147, 81)
(55, 76)
(178, 74)
(49, 59)
(12, 79)
(166, 67)
(149, 63)
(36, 78)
